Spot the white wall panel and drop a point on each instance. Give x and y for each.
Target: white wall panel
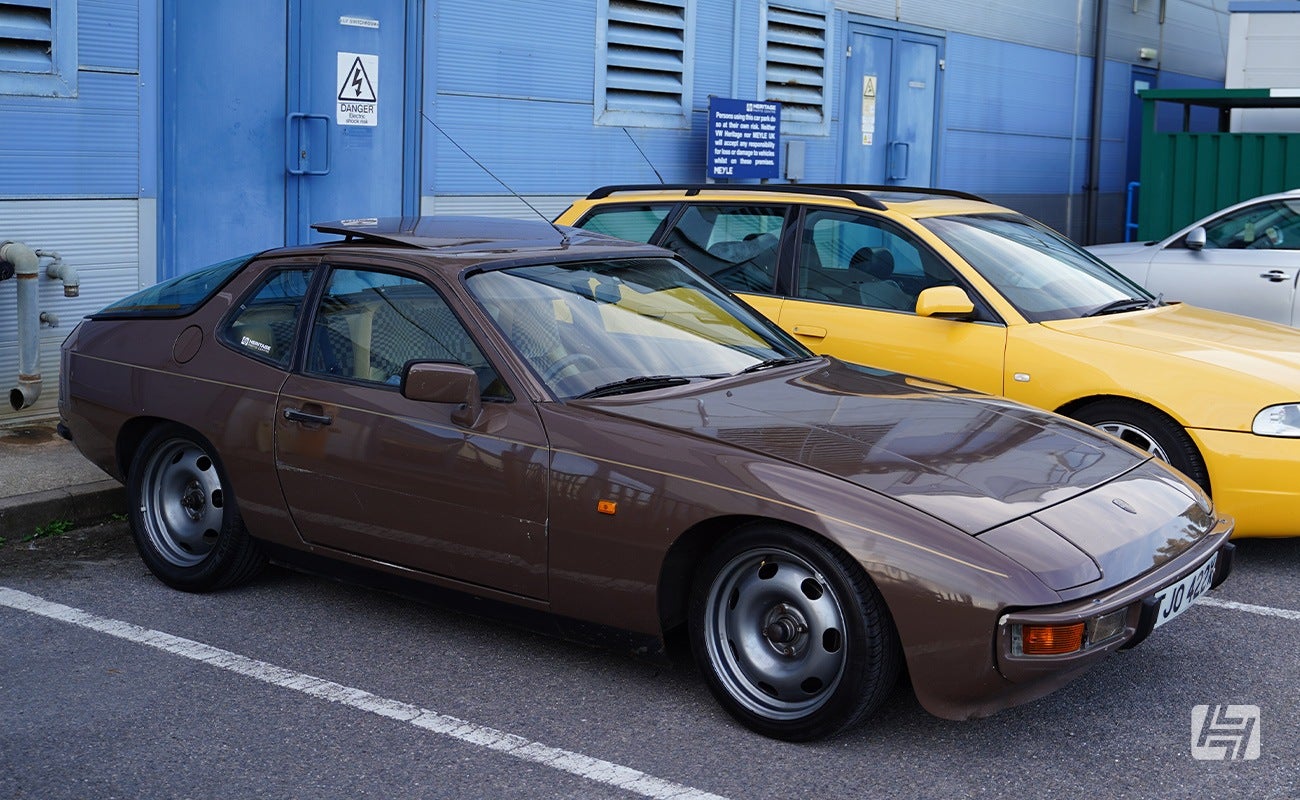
(1262, 51)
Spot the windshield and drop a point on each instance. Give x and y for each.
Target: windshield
(627, 325)
(1043, 274)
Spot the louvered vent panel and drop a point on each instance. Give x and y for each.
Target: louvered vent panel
(796, 64)
(27, 36)
(645, 56)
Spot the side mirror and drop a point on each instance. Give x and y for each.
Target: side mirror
(440, 382)
(948, 302)
(1195, 238)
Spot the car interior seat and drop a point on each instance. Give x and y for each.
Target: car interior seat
(872, 269)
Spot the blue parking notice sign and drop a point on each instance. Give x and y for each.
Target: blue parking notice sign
(744, 139)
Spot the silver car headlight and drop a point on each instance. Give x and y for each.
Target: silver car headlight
(1282, 420)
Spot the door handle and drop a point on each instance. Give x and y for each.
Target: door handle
(894, 160)
(1275, 275)
(811, 331)
(296, 147)
(298, 415)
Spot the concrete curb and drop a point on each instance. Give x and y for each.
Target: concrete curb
(82, 505)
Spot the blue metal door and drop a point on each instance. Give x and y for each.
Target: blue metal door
(349, 118)
(891, 106)
(259, 138)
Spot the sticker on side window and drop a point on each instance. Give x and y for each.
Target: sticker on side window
(253, 344)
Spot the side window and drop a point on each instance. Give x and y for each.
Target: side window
(1274, 225)
(263, 325)
(850, 258)
(737, 246)
(634, 223)
(369, 325)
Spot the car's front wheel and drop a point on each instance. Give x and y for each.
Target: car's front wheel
(1148, 430)
(791, 635)
(184, 518)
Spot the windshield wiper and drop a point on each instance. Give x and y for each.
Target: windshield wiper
(774, 362)
(637, 383)
(1123, 304)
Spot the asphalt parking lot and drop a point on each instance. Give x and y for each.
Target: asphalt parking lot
(114, 686)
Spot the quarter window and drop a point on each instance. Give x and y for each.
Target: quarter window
(263, 325)
(634, 223)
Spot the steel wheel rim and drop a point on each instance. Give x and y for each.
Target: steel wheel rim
(182, 504)
(1136, 437)
(775, 634)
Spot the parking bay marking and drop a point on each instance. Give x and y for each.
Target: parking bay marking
(1263, 611)
(592, 769)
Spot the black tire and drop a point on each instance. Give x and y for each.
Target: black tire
(794, 640)
(1149, 430)
(184, 518)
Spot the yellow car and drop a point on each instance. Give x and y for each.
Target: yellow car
(946, 286)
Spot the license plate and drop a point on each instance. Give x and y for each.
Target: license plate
(1177, 598)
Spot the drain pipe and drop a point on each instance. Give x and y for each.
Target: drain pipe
(1093, 197)
(25, 261)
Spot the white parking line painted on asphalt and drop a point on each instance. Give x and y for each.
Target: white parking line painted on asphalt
(1263, 611)
(592, 769)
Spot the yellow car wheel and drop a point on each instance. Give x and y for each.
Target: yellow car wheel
(1149, 430)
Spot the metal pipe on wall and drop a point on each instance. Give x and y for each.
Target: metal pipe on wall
(1092, 192)
(25, 262)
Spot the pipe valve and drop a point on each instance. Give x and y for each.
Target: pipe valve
(58, 271)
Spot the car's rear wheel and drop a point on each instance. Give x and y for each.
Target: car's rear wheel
(184, 518)
(793, 638)
(1148, 430)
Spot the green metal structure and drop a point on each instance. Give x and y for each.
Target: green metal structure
(1186, 175)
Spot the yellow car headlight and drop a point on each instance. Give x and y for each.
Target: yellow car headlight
(1280, 420)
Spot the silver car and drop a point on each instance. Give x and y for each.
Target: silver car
(1244, 259)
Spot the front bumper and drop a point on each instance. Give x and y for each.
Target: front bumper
(1136, 597)
(1253, 479)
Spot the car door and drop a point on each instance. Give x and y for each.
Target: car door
(366, 471)
(857, 278)
(1249, 264)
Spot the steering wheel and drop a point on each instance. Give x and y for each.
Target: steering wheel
(570, 360)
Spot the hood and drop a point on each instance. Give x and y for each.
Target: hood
(1139, 521)
(1243, 345)
(971, 460)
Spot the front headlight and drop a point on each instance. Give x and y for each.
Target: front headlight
(1283, 420)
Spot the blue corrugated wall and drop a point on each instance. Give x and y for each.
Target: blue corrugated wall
(513, 82)
(1014, 117)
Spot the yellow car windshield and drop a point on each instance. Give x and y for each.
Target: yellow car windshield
(1043, 274)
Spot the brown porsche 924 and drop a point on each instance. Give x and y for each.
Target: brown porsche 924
(586, 427)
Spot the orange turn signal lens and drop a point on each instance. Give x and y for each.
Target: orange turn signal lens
(607, 506)
(1051, 640)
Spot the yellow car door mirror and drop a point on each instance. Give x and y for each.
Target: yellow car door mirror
(950, 302)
